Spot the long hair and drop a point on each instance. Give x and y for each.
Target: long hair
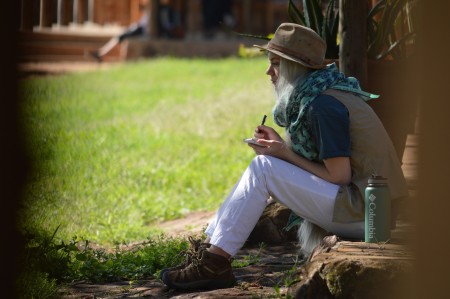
(309, 236)
(291, 74)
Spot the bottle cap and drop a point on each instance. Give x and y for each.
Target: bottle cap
(377, 179)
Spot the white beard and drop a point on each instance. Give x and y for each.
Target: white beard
(282, 90)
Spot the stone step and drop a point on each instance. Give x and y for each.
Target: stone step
(356, 270)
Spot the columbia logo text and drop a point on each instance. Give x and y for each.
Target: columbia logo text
(372, 209)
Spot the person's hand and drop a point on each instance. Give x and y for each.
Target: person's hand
(271, 142)
(267, 133)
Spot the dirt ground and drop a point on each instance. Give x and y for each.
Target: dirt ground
(191, 224)
(275, 266)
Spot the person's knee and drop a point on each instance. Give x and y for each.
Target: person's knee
(260, 160)
(261, 163)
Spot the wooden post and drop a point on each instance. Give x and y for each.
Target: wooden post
(353, 34)
(79, 7)
(59, 12)
(153, 23)
(26, 15)
(91, 11)
(247, 15)
(45, 15)
(63, 12)
(75, 11)
(194, 17)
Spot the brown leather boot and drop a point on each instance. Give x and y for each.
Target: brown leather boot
(207, 271)
(195, 248)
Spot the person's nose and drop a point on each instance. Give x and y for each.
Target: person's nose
(269, 70)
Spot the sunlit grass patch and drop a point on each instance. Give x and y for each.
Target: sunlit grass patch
(117, 150)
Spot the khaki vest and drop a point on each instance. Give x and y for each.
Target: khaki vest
(371, 151)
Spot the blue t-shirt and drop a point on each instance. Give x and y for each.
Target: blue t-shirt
(329, 123)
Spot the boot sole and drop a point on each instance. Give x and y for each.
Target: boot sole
(210, 284)
(161, 274)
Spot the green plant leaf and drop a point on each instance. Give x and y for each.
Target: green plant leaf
(330, 31)
(313, 15)
(381, 28)
(395, 45)
(54, 233)
(72, 247)
(262, 37)
(295, 14)
(326, 25)
(82, 257)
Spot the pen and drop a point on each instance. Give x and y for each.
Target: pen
(263, 120)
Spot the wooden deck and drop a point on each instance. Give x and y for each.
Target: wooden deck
(48, 46)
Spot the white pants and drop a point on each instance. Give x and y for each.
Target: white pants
(309, 196)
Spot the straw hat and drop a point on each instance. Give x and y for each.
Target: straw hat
(299, 44)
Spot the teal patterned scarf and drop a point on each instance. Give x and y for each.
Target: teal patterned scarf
(292, 115)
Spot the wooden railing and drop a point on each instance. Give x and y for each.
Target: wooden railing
(253, 16)
(39, 14)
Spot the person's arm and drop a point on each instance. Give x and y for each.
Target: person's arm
(334, 170)
(329, 124)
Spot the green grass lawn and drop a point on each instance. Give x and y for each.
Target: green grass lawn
(117, 150)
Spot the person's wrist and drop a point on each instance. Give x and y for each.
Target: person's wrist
(285, 151)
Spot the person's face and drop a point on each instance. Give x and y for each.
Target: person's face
(274, 68)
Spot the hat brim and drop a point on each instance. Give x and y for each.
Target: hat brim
(289, 57)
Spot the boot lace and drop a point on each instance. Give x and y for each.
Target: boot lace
(191, 254)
